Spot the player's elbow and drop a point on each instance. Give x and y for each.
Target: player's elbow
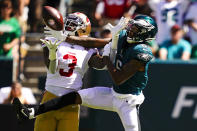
(117, 81)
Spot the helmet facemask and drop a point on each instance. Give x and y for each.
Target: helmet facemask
(73, 24)
(138, 31)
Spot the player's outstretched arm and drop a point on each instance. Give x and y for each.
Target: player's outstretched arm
(115, 30)
(118, 76)
(50, 51)
(88, 42)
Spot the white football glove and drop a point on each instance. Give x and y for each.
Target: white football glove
(60, 35)
(106, 50)
(115, 30)
(52, 46)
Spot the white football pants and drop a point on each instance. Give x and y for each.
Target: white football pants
(107, 99)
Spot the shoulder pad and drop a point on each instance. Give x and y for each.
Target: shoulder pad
(145, 57)
(143, 53)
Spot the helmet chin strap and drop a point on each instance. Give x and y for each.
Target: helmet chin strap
(132, 41)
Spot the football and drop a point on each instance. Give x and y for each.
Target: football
(53, 18)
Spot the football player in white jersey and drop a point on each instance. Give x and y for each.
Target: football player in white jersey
(167, 14)
(66, 65)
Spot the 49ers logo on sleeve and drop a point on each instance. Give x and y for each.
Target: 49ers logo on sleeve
(72, 62)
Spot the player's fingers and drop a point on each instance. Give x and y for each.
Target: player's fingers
(47, 28)
(52, 43)
(48, 35)
(45, 42)
(42, 40)
(122, 21)
(109, 26)
(47, 32)
(59, 42)
(55, 42)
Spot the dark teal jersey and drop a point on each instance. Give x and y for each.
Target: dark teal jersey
(125, 53)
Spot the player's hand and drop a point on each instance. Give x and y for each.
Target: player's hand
(115, 30)
(23, 113)
(52, 46)
(60, 35)
(106, 49)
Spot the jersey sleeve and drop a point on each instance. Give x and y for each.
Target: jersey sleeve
(142, 53)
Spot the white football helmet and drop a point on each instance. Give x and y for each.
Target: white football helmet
(77, 24)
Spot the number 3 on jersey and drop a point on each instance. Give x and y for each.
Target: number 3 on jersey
(71, 65)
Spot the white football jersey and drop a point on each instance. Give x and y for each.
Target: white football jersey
(72, 65)
(168, 14)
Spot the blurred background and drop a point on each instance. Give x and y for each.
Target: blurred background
(171, 94)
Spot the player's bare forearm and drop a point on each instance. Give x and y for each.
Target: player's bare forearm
(126, 72)
(88, 42)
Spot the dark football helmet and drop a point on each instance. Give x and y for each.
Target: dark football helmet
(141, 29)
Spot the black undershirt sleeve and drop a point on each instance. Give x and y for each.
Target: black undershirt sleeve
(57, 103)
